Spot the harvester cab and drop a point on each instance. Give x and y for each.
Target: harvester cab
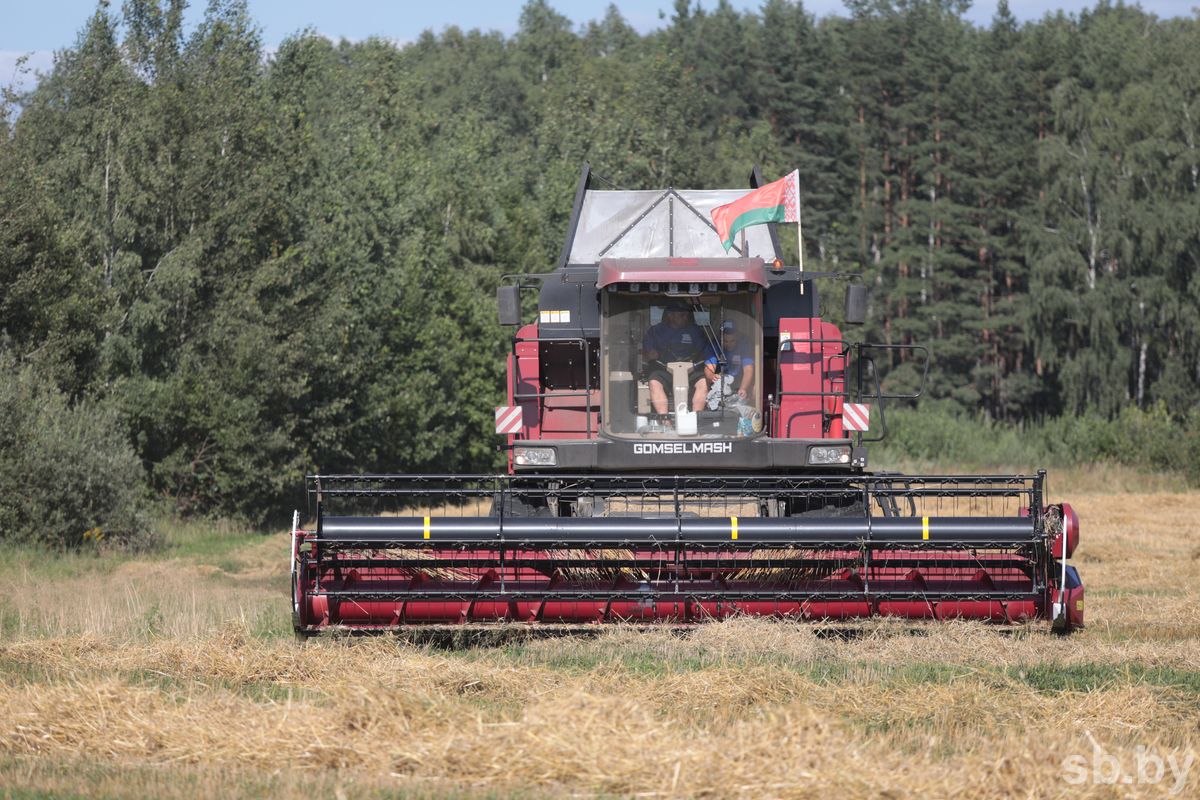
(653, 349)
(687, 440)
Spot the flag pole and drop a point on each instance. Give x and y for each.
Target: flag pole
(799, 234)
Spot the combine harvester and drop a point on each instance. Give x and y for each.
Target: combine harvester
(687, 441)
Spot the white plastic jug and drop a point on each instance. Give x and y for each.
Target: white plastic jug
(685, 421)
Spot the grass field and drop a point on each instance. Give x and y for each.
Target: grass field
(175, 675)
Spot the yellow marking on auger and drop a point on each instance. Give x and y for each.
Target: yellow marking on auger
(924, 527)
(733, 527)
(427, 527)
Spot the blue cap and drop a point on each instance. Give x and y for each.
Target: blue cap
(728, 327)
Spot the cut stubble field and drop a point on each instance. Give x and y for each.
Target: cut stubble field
(176, 675)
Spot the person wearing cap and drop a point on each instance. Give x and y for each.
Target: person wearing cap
(676, 338)
(739, 361)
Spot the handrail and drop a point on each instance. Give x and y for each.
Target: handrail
(900, 348)
(514, 378)
(786, 345)
(860, 358)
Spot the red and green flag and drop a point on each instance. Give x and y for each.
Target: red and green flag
(776, 202)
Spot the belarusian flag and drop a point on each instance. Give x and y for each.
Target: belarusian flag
(775, 202)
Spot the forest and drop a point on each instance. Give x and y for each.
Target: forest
(223, 265)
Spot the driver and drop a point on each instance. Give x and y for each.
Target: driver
(739, 362)
(676, 338)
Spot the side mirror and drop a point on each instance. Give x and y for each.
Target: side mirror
(856, 304)
(508, 301)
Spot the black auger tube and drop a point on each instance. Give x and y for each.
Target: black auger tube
(738, 532)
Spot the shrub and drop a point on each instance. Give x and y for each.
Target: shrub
(68, 476)
(1151, 439)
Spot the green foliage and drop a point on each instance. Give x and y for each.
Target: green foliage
(1152, 440)
(68, 477)
(269, 265)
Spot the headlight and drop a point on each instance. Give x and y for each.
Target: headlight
(537, 456)
(839, 454)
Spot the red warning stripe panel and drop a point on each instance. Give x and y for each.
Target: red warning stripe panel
(856, 416)
(509, 419)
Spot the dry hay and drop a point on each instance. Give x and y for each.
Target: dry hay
(746, 707)
(748, 723)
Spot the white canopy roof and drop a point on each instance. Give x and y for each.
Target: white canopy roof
(658, 224)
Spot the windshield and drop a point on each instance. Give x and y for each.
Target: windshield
(682, 367)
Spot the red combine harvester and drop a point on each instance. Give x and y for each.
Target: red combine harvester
(687, 441)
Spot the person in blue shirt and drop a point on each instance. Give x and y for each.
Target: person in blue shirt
(676, 338)
(739, 362)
